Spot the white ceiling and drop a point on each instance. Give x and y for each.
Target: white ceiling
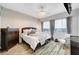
(32, 8)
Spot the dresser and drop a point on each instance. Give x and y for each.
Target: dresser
(9, 38)
(74, 45)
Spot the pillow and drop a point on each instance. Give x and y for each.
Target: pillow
(26, 31)
(33, 30)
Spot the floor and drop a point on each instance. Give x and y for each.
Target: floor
(51, 48)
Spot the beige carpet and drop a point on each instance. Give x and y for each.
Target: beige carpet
(52, 48)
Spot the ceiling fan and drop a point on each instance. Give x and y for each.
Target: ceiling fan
(68, 7)
(42, 11)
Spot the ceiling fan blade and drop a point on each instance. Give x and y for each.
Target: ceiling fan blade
(68, 7)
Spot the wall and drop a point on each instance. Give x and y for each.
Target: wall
(75, 25)
(0, 26)
(15, 19)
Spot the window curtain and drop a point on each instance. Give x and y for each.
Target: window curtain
(69, 25)
(41, 26)
(52, 27)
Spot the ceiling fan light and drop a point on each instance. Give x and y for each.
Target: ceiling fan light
(42, 13)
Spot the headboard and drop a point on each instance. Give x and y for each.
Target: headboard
(27, 28)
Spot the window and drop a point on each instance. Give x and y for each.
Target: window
(60, 25)
(46, 26)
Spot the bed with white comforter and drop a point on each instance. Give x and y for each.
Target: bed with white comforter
(34, 39)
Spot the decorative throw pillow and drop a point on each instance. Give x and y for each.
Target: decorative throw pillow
(26, 31)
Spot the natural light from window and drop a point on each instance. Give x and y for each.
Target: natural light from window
(46, 26)
(60, 25)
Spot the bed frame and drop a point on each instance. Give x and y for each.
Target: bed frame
(27, 28)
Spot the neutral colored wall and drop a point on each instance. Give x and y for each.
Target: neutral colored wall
(0, 26)
(0, 39)
(78, 24)
(15, 19)
(75, 25)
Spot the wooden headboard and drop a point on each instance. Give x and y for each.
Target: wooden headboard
(27, 28)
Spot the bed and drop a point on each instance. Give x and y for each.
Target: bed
(33, 38)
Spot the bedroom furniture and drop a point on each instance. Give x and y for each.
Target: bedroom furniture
(33, 43)
(9, 37)
(25, 28)
(33, 39)
(74, 45)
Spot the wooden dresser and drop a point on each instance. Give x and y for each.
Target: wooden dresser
(74, 45)
(9, 37)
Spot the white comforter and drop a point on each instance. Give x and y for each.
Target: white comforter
(34, 39)
(43, 36)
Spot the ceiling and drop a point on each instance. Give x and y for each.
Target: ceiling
(33, 8)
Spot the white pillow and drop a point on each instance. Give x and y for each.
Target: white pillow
(26, 31)
(33, 30)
